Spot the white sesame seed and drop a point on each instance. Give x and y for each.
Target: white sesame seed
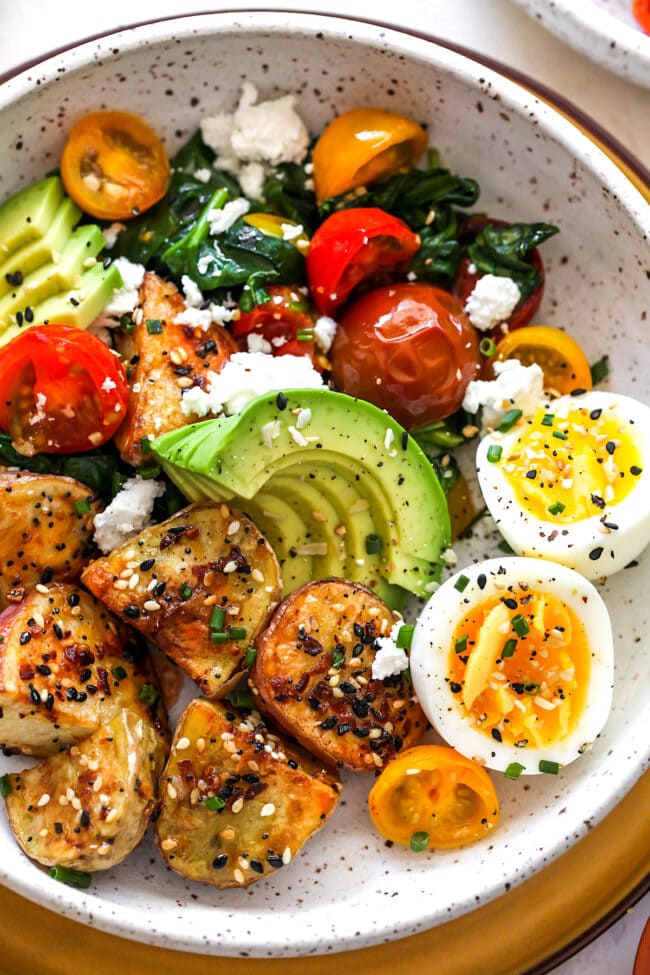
(229, 567)
(243, 863)
(297, 437)
(43, 833)
(413, 771)
(337, 692)
(182, 743)
(171, 791)
(286, 856)
(75, 803)
(168, 844)
(69, 794)
(134, 580)
(238, 875)
(229, 746)
(233, 527)
(268, 809)
(63, 801)
(375, 733)
(377, 760)
(39, 619)
(200, 744)
(238, 805)
(111, 816)
(304, 416)
(257, 575)
(126, 573)
(45, 798)
(41, 588)
(388, 439)
(120, 584)
(151, 605)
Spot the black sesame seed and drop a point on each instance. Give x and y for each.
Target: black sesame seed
(47, 575)
(578, 392)
(147, 564)
(510, 603)
(25, 638)
(274, 860)
(343, 728)
(314, 703)
(73, 599)
(595, 414)
(34, 695)
(360, 708)
(531, 475)
(71, 693)
(359, 630)
(58, 632)
(292, 764)
(58, 828)
(610, 447)
(360, 732)
(219, 862)
(481, 581)
(595, 553)
(84, 819)
(29, 314)
(328, 723)
(635, 470)
(405, 439)
(257, 866)
(496, 734)
(132, 612)
(347, 687)
(49, 702)
(159, 588)
(281, 401)
(454, 687)
(43, 670)
(85, 675)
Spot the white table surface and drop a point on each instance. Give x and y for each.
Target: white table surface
(493, 27)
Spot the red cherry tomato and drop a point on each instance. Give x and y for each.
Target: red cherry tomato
(408, 348)
(352, 246)
(285, 316)
(61, 390)
(465, 280)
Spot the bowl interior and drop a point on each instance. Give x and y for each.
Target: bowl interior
(347, 889)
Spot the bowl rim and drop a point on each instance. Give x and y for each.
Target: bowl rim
(554, 120)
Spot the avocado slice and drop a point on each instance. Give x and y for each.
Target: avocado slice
(26, 215)
(352, 440)
(58, 275)
(43, 249)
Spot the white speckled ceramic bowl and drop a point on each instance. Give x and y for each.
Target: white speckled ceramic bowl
(603, 30)
(346, 889)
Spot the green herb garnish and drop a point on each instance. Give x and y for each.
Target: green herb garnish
(419, 842)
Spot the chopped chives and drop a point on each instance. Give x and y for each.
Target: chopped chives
(118, 673)
(73, 878)
(494, 452)
(148, 473)
(547, 419)
(509, 648)
(149, 694)
(487, 346)
(419, 842)
(241, 699)
(185, 591)
(509, 419)
(531, 688)
(82, 506)
(520, 625)
(559, 435)
(461, 645)
(5, 786)
(250, 657)
(599, 370)
(219, 637)
(217, 619)
(338, 659)
(556, 508)
(238, 633)
(154, 326)
(145, 446)
(514, 770)
(305, 334)
(551, 768)
(214, 803)
(461, 583)
(374, 544)
(404, 637)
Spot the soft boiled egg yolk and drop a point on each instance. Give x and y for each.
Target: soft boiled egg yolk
(519, 667)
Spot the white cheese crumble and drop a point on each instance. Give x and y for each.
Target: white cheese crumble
(203, 175)
(492, 301)
(257, 343)
(324, 332)
(244, 377)
(195, 318)
(270, 432)
(128, 513)
(107, 386)
(223, 219)
(251, 178)
(125, 299)
(390, 659)
(515, 386)
(192, 292)
(111, 234)
(290, 231)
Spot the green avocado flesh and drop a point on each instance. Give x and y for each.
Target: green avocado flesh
(26, 215)
(40, 251)
(318, 502)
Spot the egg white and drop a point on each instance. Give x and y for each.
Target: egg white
(434, 635)
(571, 544)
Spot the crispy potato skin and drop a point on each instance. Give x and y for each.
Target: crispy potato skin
(58, 654)
(113, 778)
(275, 797)
(340, 714)
(43, 537)
(155, 364)
(219, 555)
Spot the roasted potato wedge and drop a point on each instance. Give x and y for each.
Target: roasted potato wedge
(204, 562)
(161, 361)
(89, 806)
(66, 667)
(45, 532)
(313, 676)
(272, 797)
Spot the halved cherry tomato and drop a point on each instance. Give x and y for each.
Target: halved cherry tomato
(560, 358)
(61, 390)
(641, 10)
(363, 145)
(436, 792)
(408, 348)
(113, 166)
(280, 321)
(465, 280)
(352, 246)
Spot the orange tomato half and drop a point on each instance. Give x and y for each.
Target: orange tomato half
(364, 145)
(434, 795)
(560, 358)
(113, 166)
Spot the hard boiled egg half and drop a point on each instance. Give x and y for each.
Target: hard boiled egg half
(572, 482)
(512, 661)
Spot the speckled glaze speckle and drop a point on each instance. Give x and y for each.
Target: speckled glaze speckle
(603, 30)
(346, 890)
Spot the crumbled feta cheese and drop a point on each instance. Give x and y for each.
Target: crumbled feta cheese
(216, 132)
(515, 385)
(192, 292)
(303, 418)
(257, 343)
(126, 298)
(203, 264)
(222, 313)
(203, 175)
(129, 512)
(223, 219)
(290, 231)
(270, 431)
(492, 301)
(251, 179)
(244, 377)
(195, 318)
(107, 386)
(278, 341)
(111, 234)
(324, 332)
(390, 659)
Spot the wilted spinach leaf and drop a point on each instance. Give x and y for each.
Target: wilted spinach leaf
(285, 193)
(502, 251)
(101, 470)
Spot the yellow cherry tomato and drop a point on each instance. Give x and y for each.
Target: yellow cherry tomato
(113, 166)
(363, 145)
(560, 358)
(431, 795)
(274, 226)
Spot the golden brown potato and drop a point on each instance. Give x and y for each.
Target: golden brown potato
(46, 527)
(205, 562)
(89, 806)
(66, 667)
(313, 676)
(237, 802)
(161, 360)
